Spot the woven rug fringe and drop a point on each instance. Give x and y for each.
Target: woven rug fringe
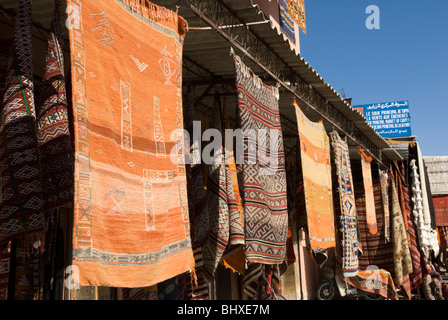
(151, 10)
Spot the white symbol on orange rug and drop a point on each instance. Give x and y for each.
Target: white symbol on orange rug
(104, 28)
(168, 65)
(140, 65)
(118, 197)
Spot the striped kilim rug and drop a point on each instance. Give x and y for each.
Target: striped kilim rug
(131, 220)
(216, 236)
(375, 250)
(348, 209)
(286, 21)
(263, 169)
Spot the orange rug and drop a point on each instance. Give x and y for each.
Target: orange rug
(368, 189)
(316, 169)
(131, 222)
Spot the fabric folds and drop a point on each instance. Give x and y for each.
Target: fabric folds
(368, 189)
(316, 169)
(131, 218)
(53, 131)
(22, 203)
(384, 182)
(427, 236)
(401, 252)
(263, 168)
(348, 221)
(375, 251)
(286, 21)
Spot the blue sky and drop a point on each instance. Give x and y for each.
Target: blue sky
(406, 59)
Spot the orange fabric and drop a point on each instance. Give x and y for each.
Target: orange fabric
(316, 169)
(368, 189)
(131, 223)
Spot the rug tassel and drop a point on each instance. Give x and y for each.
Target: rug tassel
(151, 10)
(228, 266)
(194, 277)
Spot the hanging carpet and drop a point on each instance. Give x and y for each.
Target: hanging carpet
(426, 234)
(384, 183)
(216, 237)
(375, 251)
(375, 281)
(233, 257)
(347, 203)
(53, 132)
(368, 190)
(263, 168)
(5, 257)
(286, 21)
(317, 181)
(21, 203)
(416, 275)
(441, 210)
(401, 252)
(131, 220)
(296, 10)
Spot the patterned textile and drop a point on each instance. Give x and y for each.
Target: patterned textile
(5, 48)
(375, 252)
(233, 257)
(263, 168)
(316, 170)
(368, 189)
(402, 254)
(296, 10)
(443, 235)
(438, 174)
(427, 237)
(53, 132)
(216, 236)
(441, 210)
(168, 289)
(416, 276)
(21, 203)
(147, 293)
(401, 202)
(375, 281)
(131, 220)
(384, 182)
(5, 256)
(286, 22)
(198, 290)
(251, 279)
(24, 273)
(425, 188)
(92, 293)
(347, 203)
